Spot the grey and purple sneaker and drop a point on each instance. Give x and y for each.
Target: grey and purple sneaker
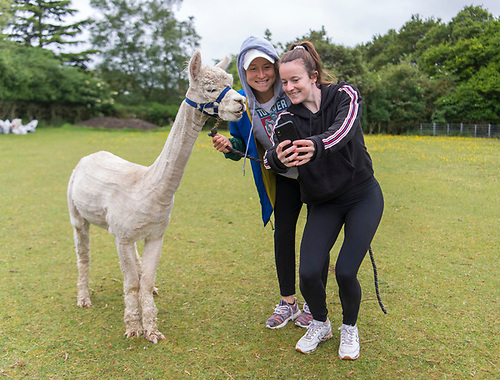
(283, 313)
(305, 319)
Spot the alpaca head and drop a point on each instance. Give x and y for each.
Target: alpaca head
(206, 83)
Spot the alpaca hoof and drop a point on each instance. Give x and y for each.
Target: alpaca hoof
(133, 332)
(154, 336)
(83, 302)
(155, 291)
(133, 328)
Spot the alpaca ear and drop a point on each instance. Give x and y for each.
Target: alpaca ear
(224, 63)
(195, 65)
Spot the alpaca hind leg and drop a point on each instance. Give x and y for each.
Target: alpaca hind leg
(81, 234)
(128, 266)
(150, 261)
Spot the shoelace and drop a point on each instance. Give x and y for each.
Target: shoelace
(306, 308)
(281, 309)
(347, 335)
(313, 330)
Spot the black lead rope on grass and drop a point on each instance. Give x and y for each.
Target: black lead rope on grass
(375, 278)
(213, 132)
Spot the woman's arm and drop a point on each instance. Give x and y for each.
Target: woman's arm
(343, 128)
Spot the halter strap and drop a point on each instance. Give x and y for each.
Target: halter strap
(215, 104)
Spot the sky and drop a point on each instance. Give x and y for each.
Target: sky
(224, 24)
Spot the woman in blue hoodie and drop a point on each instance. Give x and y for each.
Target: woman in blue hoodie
(337, 184)
(252, 134)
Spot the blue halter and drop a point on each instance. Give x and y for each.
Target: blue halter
(215, 104)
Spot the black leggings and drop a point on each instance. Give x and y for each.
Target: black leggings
(286, 212)
(359, 212)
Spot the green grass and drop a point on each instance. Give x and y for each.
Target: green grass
(436, 249)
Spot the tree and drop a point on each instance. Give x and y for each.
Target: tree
(468, 53)
(394, 47)
(41, 23)
(401, 92)
(377, 107)
(341, 62)
(474, 100)
(456, 64)
(470, 22)
(143, 48)
(468, 44)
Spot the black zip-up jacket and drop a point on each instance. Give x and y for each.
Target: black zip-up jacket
(341, 161)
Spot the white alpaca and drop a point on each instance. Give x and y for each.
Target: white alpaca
(31, 126)
(133, 202)
(5, 126)
(17, 127)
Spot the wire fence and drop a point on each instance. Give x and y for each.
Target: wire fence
(475, 130)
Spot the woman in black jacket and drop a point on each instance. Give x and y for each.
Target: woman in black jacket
(337, 184)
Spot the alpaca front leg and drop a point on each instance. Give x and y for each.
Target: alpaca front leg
(139, 268)
(150, 261)
(82, 246)
(128, 266)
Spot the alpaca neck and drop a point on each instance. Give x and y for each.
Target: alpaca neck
(166, 172)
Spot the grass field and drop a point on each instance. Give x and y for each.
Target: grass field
(437, 252)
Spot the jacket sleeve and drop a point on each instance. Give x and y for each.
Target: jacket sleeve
(237, 140)
(346, 120)
(237, 144)
(271, 162)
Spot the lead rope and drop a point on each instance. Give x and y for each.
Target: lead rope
(213, 132)
(375, 278)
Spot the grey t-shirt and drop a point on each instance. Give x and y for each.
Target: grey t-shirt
(264, 118)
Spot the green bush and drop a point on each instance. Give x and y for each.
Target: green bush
(34, 78)
(155, 113)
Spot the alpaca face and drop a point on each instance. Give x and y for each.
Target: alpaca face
(206, 83)
(232, 106)
(211, 84)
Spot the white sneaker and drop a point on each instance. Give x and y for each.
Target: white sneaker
(317, 332)
(349, 342)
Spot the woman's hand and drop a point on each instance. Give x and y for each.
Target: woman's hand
(221, 143)
(305, 151)
(298, 154)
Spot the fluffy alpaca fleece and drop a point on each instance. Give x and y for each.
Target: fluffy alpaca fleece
(134, 202)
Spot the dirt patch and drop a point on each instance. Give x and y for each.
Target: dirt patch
(116, 123)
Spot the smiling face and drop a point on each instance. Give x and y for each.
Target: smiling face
(297, 84)
(261, 77)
